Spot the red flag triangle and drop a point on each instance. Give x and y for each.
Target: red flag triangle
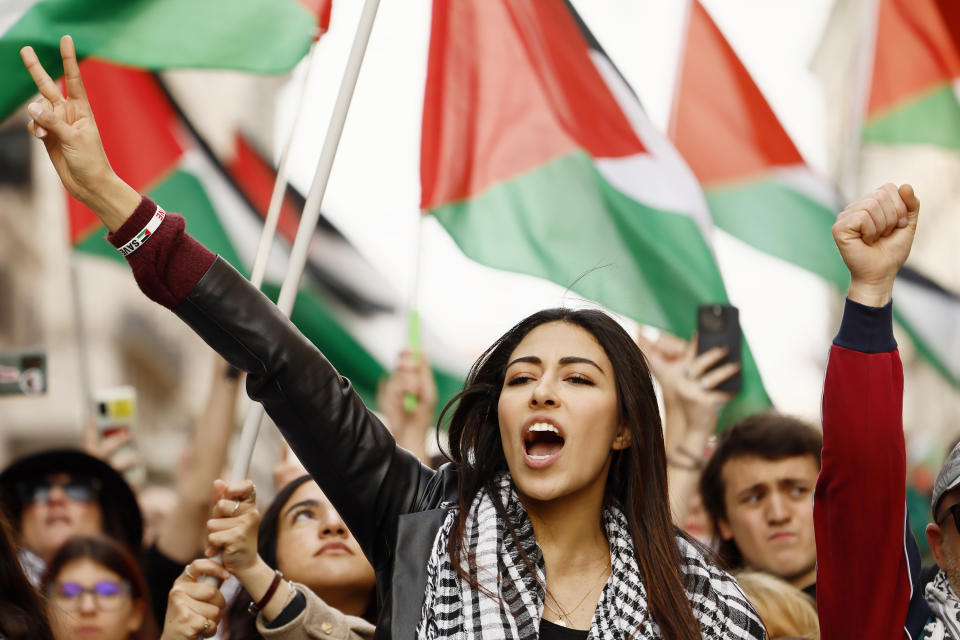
(721, 124)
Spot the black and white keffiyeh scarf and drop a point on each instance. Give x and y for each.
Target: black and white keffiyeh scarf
(453, 608)
(946, 610)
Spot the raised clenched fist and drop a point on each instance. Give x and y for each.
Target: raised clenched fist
(874, 235)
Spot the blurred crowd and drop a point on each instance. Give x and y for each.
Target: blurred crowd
(116, 561)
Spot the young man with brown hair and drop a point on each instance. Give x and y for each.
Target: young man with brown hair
(757, 489)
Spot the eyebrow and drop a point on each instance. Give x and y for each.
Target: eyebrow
(751, 489)
(794, 482)
(303, 503)
(779, 482)
(562, 361)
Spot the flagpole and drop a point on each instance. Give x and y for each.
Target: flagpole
(83, 355)
(863, 68)
(311, 210)
(254, 415)
(678, 73)
(280, 184)
(309, 219)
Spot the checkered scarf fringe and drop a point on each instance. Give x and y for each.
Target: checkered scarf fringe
(452, 608)
(945, 605)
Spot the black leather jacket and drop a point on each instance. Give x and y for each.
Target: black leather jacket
(385, 495)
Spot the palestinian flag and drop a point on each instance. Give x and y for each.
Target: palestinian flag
(913, 100)
(344, 306)
(916, 74)
(759, 188)
(537, 158)
(265, 36)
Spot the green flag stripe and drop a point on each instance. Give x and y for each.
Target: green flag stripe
(780, 221)
(931, 119)
(184, 193)
(95, 243)
(265, 36)
(573, 221)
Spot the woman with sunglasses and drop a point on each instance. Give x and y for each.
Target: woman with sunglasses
(553, 519)
(96, 590)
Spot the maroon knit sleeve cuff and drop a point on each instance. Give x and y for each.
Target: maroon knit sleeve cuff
(168, 265)
(141, 216)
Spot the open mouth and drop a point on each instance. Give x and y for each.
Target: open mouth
(542, 441)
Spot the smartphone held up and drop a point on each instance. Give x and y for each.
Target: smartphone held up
(718, 325)
(115, 411)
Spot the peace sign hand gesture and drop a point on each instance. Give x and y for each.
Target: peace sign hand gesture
(66, 126)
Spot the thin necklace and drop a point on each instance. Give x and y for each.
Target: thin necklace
(561, 612)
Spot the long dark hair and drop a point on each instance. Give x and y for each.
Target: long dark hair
(638, 474)
(116, 558)
(23, 613)
(241, 624)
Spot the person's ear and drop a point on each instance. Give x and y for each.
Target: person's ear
(623, 438)
(135, 621)
(723, 528)
(935, 540)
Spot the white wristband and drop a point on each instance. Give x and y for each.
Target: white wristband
(137, 241)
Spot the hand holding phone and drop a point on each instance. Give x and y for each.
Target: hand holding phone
(115, 417)
(718, 325)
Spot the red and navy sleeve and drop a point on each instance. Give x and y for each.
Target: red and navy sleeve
(868, 563)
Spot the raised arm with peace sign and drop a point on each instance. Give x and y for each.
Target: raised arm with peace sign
(66, 126)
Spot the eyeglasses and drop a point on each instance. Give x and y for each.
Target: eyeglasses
(954, 510)
(78, 489)
(107, 594)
